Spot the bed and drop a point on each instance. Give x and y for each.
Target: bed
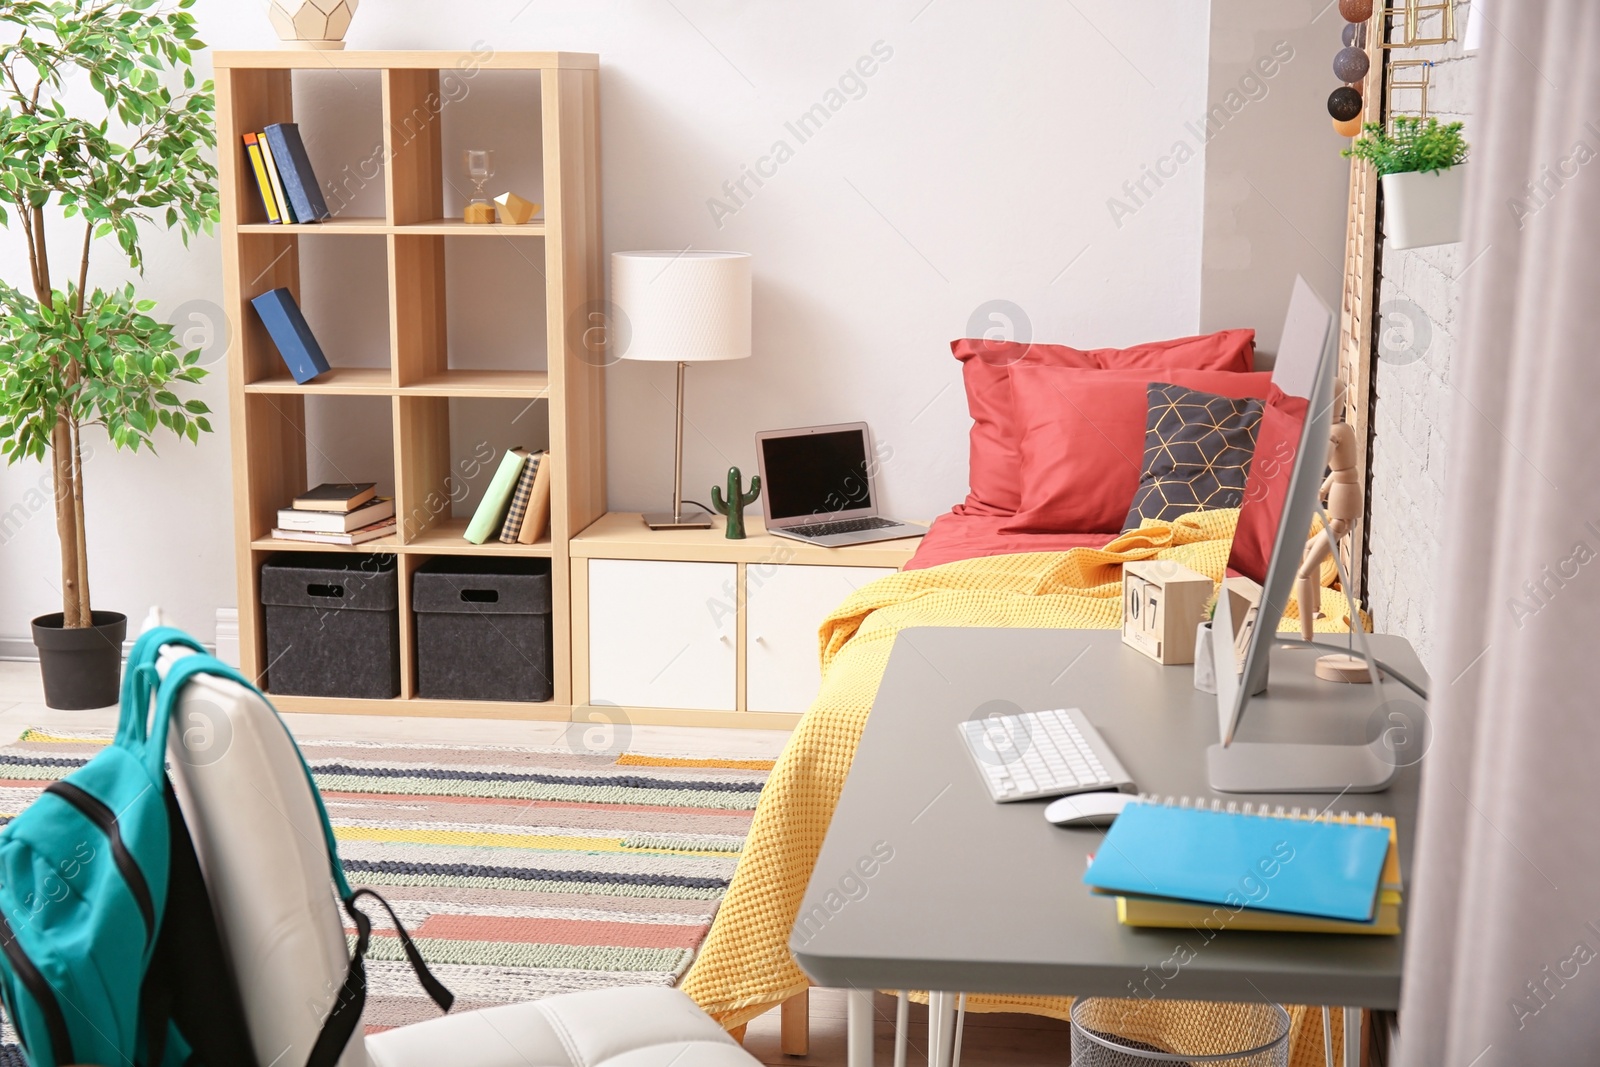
(984, 564)
(956, 536)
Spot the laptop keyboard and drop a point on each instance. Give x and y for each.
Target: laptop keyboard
(843, 526)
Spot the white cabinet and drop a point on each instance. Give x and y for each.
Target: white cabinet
(784, 606)
(663, 634)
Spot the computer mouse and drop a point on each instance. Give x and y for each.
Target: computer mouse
(1088, 809)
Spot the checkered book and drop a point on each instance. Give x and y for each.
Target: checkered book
(519, 500)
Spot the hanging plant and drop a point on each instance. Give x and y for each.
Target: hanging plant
(1414, 144)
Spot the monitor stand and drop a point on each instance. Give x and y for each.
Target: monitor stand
(1286, 767)
(1290, 767)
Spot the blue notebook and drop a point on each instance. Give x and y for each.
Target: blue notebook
(295, 172)
(288, 329)
(1273, 863)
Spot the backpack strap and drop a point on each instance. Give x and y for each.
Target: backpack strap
(342, 1021)
(140, 679)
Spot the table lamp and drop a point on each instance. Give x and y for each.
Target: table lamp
(682, 307)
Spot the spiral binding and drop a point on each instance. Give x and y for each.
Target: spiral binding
(1234, 807)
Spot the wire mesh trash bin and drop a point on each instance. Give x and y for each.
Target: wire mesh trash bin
(483, 629)
(333, 624)
(1146, 1033)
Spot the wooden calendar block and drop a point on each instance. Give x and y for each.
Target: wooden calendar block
(1162, 603)
(1244, 605)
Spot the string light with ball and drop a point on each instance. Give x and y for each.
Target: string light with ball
(1350, 66)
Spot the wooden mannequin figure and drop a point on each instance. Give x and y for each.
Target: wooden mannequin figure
(1342, 495)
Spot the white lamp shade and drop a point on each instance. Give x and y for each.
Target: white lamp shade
(682, 306)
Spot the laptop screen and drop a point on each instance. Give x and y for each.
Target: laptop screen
(816, 473)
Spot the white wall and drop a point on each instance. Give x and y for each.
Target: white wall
(978, 163)
(1419, 303)
(1276, 184)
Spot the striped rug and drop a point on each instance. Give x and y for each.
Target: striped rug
(520, 872)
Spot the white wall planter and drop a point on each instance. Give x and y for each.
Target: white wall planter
(1423, 207)
(312, 23)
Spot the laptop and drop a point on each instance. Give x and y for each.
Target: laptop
(817, 486)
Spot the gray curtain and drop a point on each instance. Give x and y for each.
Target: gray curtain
(1503, 940)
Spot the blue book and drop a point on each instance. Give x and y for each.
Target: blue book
(294, 171)
(289, 331)
(1271, 863)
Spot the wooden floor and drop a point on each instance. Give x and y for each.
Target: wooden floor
(990, 1040)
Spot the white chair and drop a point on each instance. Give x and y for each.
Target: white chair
(256, 830)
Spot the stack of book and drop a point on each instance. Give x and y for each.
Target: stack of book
(1173, 865)
(517, 503)
(284, 177)
(337, 514)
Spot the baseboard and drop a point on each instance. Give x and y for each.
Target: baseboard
(22, 649)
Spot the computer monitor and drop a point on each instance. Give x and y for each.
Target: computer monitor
(1281, 497)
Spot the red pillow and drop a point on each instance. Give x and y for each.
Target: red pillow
(1266, 487)
(1081, 440)
(992, 471)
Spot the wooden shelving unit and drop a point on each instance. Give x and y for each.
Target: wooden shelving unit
(269, 427)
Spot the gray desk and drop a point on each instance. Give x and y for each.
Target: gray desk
(986, 897)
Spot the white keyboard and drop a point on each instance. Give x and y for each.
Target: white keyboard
(1042, 754)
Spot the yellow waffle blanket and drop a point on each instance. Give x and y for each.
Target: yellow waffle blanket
(744, 967)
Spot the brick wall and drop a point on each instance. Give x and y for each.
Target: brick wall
(1420, 307)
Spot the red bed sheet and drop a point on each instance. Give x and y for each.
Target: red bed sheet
(954, 537)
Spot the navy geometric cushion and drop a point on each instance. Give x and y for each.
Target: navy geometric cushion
(1197, 452)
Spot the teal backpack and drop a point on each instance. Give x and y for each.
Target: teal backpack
(109, 949)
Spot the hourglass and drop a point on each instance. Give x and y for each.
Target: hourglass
(479, 163)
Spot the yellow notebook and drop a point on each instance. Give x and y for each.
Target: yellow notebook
(1134, 910)
(1206, 918)
(258, 163)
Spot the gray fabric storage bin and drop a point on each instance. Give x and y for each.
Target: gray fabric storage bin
(483, 628)
(333, 624)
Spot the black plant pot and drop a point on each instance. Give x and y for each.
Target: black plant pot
(82, 667)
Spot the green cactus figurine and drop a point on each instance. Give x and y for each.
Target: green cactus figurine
(737, 501)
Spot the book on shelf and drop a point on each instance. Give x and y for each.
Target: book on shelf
(336, 496)
(518, 510)
(1325, 867)
(371, 532)
(497, 498)
(258, 165)
(295, 171)
(317, 521)
(284, 207)
(291, 334)
(537, 519)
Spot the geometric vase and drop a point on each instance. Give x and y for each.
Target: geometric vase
(312, 23)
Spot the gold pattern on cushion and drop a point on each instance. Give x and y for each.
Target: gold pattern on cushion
(1197, 452)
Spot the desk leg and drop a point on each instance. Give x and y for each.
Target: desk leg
(1352, 1037)
(941, 1029)
(859, 1045)
(902, 1027)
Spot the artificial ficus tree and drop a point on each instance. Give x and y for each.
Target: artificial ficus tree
(138, 156)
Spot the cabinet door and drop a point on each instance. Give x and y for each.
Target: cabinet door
(785, 607)
(661, 635)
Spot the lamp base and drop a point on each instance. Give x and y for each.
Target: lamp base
(693, 518)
